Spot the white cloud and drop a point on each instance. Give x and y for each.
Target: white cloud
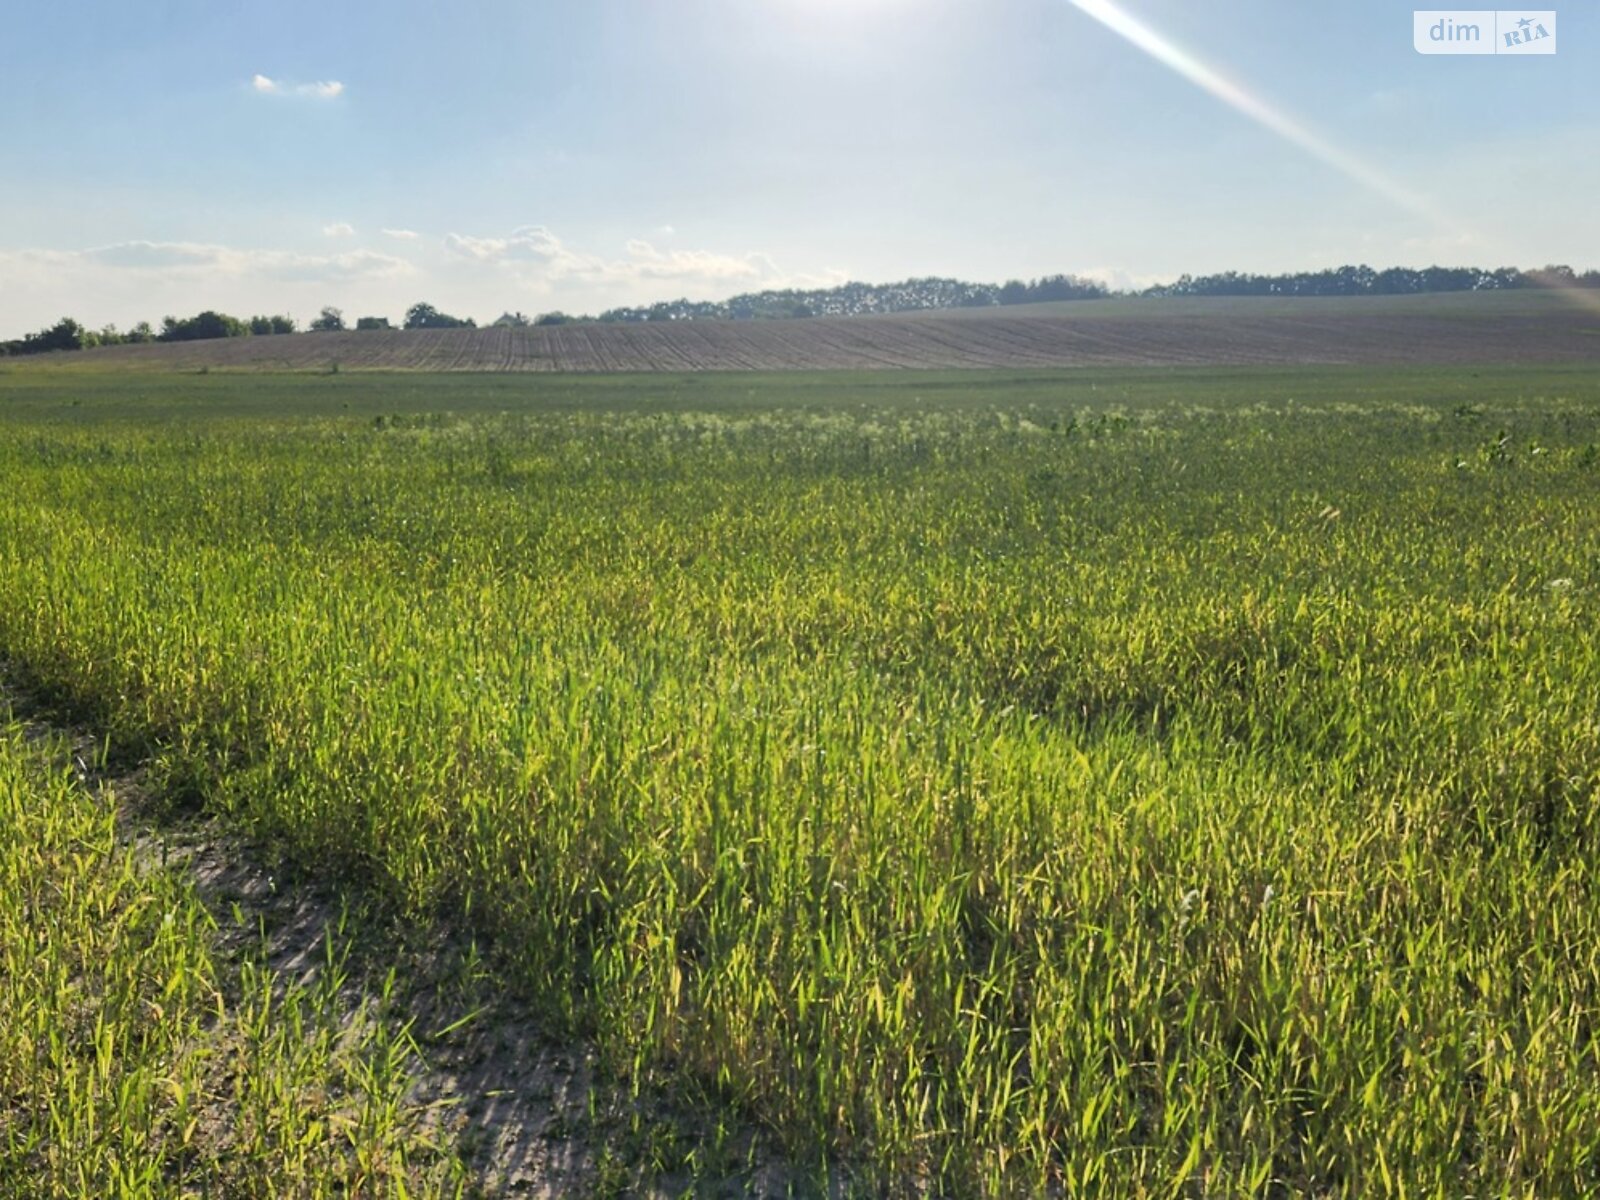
(339, 229)
(533, 249)
(1120, 280)
(531, 243)
(195, 258)
(321, 90)
(401, 235)
(649, 263)
(150, 256)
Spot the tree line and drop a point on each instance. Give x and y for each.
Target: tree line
(68, 334)
(861, 299)
(1365, 281)
(848, 299)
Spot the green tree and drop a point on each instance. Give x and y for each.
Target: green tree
(331, 320)
(201, 327)
(426, 316)
(266, 326)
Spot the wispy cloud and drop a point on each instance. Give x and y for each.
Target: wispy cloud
(401, 235)
(339, 229)
(321, 90)
(647, 262)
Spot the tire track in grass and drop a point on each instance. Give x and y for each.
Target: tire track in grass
(394, 1051)
(140, 1054)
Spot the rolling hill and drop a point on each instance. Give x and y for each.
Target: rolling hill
(1193, 331)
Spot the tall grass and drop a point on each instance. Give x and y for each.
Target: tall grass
(1192, 795)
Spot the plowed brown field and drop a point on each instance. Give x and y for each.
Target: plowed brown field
(1469, 328)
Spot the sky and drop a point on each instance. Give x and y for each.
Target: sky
(491, 156)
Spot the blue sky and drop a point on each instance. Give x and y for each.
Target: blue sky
(178, 155)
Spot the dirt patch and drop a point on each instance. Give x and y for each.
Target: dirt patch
(518, 1102)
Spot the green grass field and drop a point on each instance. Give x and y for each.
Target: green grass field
(1157, 782)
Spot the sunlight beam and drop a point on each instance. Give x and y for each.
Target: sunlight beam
(1208, 79)
(1167, 52)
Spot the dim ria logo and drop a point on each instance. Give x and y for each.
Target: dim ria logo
(1484, 31)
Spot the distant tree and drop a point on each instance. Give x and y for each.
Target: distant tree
(553, 318)
(426, 316)
(65, 334)
(266, 326)
(1357, 281)
(141, 333)
(331, 320)
(201, 327)
(1557, 275)
(514, 320)
(1065, 287)
(1449, 279)
(366, 323)
(422, 316)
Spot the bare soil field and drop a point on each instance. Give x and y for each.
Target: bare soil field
(1459, 328)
